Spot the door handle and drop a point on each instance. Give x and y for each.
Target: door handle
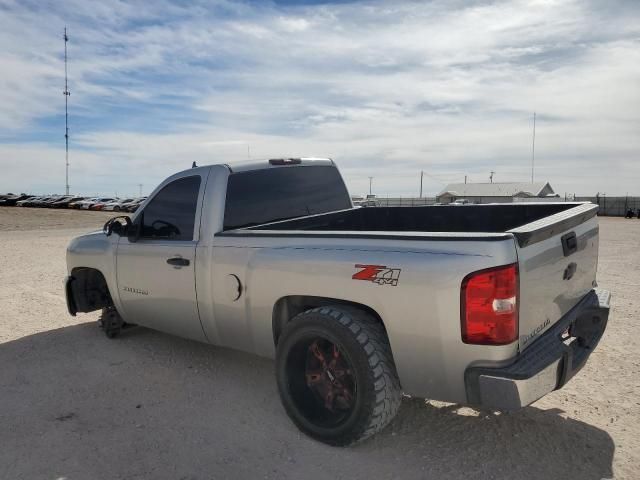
(178, 262)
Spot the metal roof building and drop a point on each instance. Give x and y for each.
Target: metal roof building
(495, 192)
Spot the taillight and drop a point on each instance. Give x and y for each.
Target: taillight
(489, 306)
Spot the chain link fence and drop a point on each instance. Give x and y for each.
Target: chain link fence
(609, 206)
(613, 206)
(404, 201)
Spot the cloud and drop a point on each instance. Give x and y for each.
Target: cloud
(385, 89)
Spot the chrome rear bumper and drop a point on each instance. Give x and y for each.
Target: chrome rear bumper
(547, 364)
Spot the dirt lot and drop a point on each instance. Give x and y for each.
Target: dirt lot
(76, 406)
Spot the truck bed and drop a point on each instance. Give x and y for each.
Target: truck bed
(528, 222)
(539, 231)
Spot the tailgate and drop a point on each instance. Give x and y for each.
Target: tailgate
(558, 258)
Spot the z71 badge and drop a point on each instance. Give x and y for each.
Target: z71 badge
(379, 274)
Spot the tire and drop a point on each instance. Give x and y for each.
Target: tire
(353, 399)
(116, 208)
(111, 322)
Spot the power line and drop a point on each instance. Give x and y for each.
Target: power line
(66, 114)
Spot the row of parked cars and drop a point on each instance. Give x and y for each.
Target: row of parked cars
(71, 201)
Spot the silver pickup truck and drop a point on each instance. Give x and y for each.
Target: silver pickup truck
(485, 305)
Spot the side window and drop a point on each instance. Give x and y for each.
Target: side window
(171, 214)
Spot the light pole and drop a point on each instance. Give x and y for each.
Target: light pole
(370, 184)
(533, 146)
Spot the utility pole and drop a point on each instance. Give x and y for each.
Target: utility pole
(533, 146)
(248, 152)
(491, 176)
(66, 114)
(370, 183)
(421, 176)
(465, 179)
(140, 186)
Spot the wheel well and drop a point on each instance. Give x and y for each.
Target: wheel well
(88, 290)
(288, 307)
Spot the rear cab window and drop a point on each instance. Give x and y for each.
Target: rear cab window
(272, 194)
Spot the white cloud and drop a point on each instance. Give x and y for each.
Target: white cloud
(386, 89)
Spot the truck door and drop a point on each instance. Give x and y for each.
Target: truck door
(156, 273)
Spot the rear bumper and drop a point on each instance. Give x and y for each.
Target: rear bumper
(547, 364)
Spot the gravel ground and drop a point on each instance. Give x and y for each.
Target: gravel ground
(75, 406)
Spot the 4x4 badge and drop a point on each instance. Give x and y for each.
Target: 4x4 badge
(380, 274)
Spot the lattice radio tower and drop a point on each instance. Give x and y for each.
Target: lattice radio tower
(66, 113)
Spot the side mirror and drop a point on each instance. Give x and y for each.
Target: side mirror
(134, 230)
(118, 225)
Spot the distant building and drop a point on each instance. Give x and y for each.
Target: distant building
(495, 192)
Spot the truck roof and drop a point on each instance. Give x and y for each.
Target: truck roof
(266, 163)
(249, 165)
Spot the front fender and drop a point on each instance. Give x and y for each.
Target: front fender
(95, 251)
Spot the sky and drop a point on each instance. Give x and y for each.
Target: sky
(386, 89)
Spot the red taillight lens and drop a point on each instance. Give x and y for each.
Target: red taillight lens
(489, 306)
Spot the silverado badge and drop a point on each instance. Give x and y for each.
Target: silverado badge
(135, 290)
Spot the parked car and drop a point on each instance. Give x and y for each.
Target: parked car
(84, 204)
(12, 200)
(65, 202)
(487, 305)
(99, 205)
(34, 201)
(116, 205)
(25, 202)
(133, 205)
(45, 201)
(50, 202)
(88, 203)
(39, 203)
(76, 203)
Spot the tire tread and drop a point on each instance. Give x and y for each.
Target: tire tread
(372, 338)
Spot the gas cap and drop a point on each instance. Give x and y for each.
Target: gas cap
(233, 287)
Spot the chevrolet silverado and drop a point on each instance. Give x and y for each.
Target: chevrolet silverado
(486, 305)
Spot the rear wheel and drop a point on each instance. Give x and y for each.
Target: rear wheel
(116, 208)
(336, 376)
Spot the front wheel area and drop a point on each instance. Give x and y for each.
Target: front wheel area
(336, 376)
(112, 323)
